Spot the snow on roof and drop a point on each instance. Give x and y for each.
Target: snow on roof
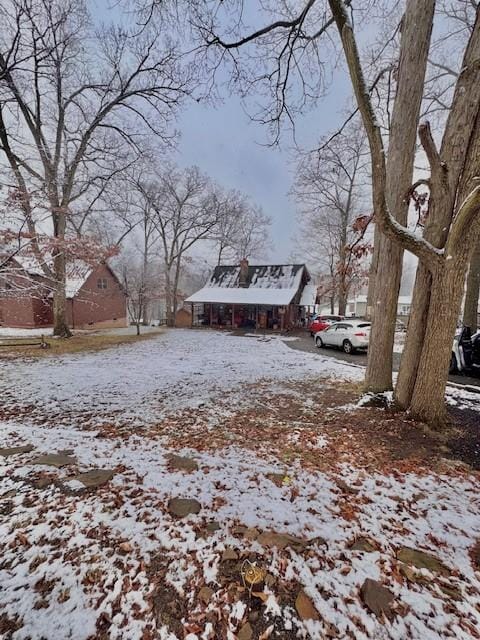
(77, 272)
(30, 264)
(309, 296)
(237, 295)
(274, 285)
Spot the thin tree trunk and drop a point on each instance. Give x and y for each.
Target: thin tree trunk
(414, 47)
(372, 275)
(332, 305)
(470, 313)
(342, 269)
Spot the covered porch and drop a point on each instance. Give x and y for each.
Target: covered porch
(243, 316)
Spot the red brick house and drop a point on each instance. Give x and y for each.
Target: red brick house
(95, 297)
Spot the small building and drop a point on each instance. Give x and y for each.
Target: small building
(254, 296)
(95, 296)
(183, 318)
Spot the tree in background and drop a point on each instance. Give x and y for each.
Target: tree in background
(185, 209)
(142, 283)
(331, 191)
(75, 100)
(242, 230)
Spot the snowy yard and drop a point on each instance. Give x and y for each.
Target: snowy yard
(216, 454)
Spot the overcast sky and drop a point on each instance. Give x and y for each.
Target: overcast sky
(232, 150)
(228, 146)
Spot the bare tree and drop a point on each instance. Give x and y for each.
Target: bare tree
(332, 193)
(457, 206)
(142, 282)
(243, 228)
(185, 210)
(252, 239)
(73, 99)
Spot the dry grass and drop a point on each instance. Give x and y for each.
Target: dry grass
(76, 344)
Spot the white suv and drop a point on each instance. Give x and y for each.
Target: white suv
(348, 335)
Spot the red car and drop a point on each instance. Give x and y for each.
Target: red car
(323, 322)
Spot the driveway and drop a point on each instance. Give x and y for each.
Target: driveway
(305, 343)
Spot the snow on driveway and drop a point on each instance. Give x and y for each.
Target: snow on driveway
(149, 379)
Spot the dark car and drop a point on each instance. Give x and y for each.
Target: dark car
(465, 352)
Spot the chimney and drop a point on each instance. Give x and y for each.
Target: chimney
(243, 275)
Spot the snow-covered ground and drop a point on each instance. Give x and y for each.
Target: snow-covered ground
(115, 563)
(147, 380)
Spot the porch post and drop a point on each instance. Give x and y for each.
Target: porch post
(233, 316)
(191, 319)
(211, 314)
(282, 319)
(256, 317)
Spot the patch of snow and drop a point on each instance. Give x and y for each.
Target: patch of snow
(74, 485)
(385, 398)
(12, 332)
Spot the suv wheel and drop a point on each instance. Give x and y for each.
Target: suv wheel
(347, 346)
(318, 343)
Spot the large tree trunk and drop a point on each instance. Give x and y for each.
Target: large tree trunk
(414, 47)
(176, 280)
(448, 267)
(460, 145)
(168, 297)
(342, 301)
(60, 325)
(428, 397)
(470, 313)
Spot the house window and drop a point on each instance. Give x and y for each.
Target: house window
(102, 283)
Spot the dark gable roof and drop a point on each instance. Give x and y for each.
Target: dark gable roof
(272, 284)
(267, 276)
